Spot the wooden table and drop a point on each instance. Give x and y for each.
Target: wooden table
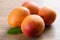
(50, 33)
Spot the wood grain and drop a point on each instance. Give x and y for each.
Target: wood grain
(51, 33)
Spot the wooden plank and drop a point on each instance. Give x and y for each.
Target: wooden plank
(50, 33)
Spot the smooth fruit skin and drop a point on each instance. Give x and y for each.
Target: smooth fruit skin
(32, 26)
(32, 6)
(48, 15)
(17, 16)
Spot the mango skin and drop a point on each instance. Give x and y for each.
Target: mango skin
(17, 15)
(32, 6)
(49, 15)
(32, 26)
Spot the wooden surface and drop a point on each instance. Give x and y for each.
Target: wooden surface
(51, 33)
